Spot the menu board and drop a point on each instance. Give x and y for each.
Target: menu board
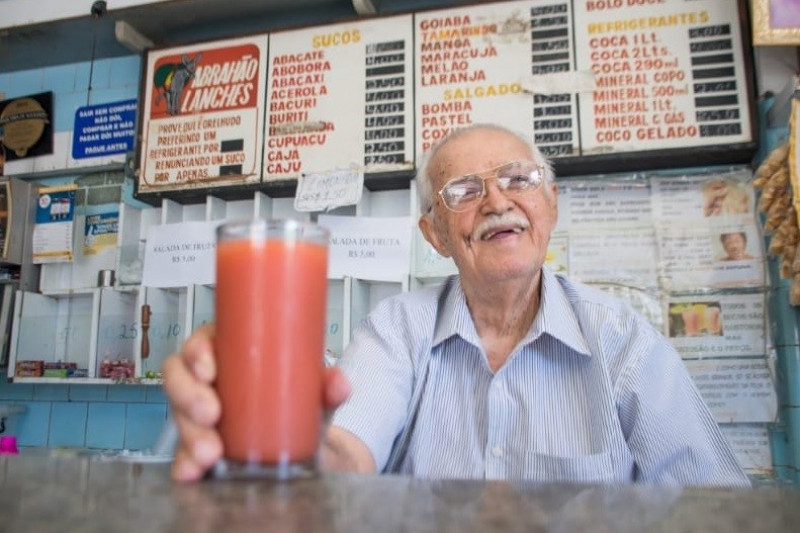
(664, 74)
(591, 82)
(203, 115)
(340, 97)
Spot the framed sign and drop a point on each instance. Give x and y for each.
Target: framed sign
(776, 22)
(203, 116)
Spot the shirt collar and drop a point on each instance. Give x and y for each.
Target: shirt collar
(558, 321)
(453, 317)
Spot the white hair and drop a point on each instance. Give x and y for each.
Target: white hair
(423, 177)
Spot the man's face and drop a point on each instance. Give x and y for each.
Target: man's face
(503, 236)
(734, 244)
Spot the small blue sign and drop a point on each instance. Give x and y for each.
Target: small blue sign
(104, 129)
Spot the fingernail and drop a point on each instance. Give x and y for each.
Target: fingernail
(202, 371)
(205, 452)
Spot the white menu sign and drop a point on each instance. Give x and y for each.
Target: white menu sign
(340, 95)
(667, 75)
(372, 248)
(203, 115)
(180, 254)
(644, 76)
(470, 64)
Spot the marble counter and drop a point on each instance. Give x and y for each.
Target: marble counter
(56, 493)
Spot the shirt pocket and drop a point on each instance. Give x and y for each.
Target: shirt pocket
(594, 468)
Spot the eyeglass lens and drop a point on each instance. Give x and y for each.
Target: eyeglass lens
(514, 177)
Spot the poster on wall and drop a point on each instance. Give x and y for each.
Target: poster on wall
(26, 128)
(338, 97)
(52, 233)
(588, 78)
(100, 232)
(202, 118)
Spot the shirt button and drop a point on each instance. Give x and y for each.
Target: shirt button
(497, 451)
(498, 384)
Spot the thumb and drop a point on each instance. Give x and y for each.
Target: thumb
(337, 388)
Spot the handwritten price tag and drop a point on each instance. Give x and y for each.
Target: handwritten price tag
(323, 191)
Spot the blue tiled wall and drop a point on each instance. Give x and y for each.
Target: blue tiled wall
(85, 416)
(93, 416)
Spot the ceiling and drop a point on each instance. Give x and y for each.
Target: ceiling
(175, 22)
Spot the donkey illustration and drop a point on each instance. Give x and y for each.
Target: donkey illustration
(171, 78)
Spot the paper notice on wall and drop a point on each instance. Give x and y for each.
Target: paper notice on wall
(52, 234)
(625, 255)
(717, 325)
(739, 390)
(180, 254)
(326, 190)
(750, 443)
(372, 248)
(613, 202)
(724, 198)
(100, 232)
(713, 256)
(646, 302)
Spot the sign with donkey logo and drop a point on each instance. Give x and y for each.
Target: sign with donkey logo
(202, 120)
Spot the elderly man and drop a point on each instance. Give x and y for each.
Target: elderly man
(505, 371)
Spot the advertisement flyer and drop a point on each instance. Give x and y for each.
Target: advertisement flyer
(750, 443)
(624, 255)
(694, 257)
(724, 197)
(101, 231)
(338, 96)
(717, 325)
(203, 115)
(52, 234)
(738, 390)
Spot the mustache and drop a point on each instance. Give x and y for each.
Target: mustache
(498, 222)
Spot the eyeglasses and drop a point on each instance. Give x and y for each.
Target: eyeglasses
(459, 194)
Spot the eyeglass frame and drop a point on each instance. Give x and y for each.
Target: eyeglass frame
(540, 167)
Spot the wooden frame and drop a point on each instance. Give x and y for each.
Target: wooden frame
(764, 32)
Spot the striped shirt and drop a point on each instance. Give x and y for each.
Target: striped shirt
(593, 393)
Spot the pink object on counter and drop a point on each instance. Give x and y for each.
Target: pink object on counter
(8, 445)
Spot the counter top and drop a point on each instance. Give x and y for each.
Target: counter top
(46, 493)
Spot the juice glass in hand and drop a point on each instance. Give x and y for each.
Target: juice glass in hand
(269, 342)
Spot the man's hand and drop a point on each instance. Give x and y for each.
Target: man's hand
(188, 381)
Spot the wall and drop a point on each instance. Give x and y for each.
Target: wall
(133, 416)
(94, 416)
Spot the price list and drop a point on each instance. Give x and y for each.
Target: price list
(470, 63)
(666, 75)
(554, 114)
(332, 84)
(386, 88)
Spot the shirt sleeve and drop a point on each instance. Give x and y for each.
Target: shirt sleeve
(670, 431)
(378, 364)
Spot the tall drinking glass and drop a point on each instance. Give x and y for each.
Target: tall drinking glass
(269, 342)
